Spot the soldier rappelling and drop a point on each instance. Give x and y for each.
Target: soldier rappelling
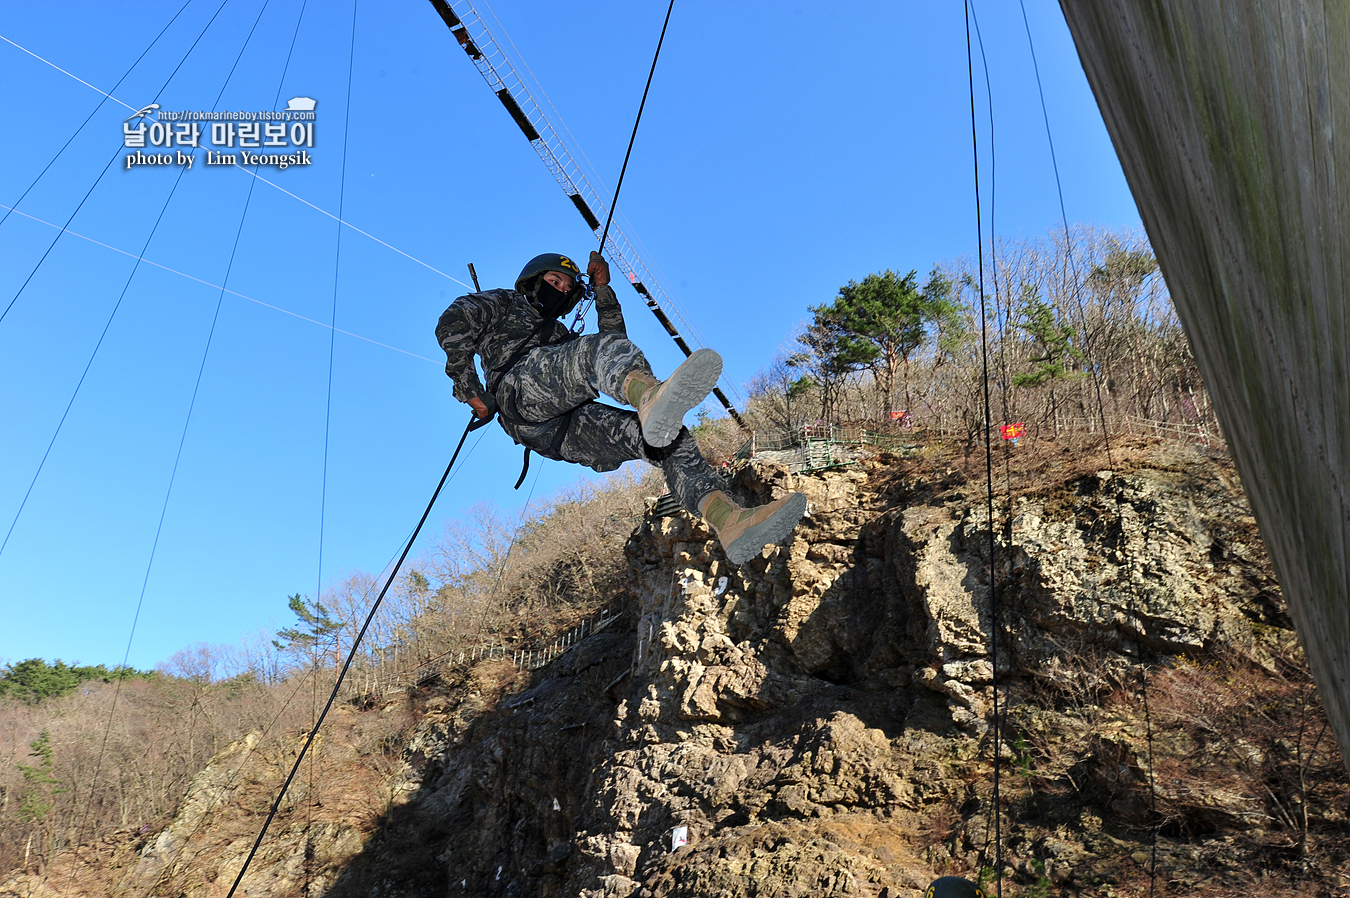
(543, 383)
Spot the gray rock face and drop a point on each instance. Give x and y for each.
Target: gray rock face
(818, 720)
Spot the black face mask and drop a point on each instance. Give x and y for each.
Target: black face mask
(551, 302)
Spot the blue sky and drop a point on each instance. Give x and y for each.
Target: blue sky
(785, 149)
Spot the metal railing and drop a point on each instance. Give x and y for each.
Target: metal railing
(906, 440)
(817, 443)
(525, 653)
(1136, 426)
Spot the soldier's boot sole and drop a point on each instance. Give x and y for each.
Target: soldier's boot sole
(662, 415)
(752, 529)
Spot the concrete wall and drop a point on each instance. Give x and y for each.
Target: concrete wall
(1227, 117)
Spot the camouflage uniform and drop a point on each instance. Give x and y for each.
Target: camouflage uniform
(546, 401)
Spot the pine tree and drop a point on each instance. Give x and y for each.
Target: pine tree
(40, 788)
(32, 680)
(317, 632)
(833, 353)
(1058, 352)
(40, 783)
(885, 319)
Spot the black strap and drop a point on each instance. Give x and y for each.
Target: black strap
(495, 380)
(525, 469)
(561, 428)
(478, 422)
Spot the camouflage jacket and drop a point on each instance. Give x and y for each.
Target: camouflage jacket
(496, 324)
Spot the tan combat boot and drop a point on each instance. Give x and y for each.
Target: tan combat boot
(743, 532)
(662, 405)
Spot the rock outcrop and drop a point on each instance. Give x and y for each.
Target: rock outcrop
(819, 721)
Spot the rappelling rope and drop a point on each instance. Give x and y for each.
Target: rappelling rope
(1106, 438)
(614, 202)
(474, 423)
(609, 218)
(328, 418)
(238, 769)
(992, 824)
(1002, 377)
(988, 468)
(496, 68)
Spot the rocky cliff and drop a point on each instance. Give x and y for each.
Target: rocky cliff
(819, 721)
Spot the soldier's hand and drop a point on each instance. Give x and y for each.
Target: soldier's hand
(480, 408)
(598, 270)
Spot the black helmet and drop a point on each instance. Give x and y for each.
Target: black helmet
(953, 887)
(531, 277)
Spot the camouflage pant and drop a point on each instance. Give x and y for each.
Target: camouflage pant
(548, 403)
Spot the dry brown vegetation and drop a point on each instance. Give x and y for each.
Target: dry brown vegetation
(121, 767)
(493, 580)
(1231, 754)
(121, 755)
(1240, 744)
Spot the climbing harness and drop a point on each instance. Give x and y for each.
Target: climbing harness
(495, 380)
